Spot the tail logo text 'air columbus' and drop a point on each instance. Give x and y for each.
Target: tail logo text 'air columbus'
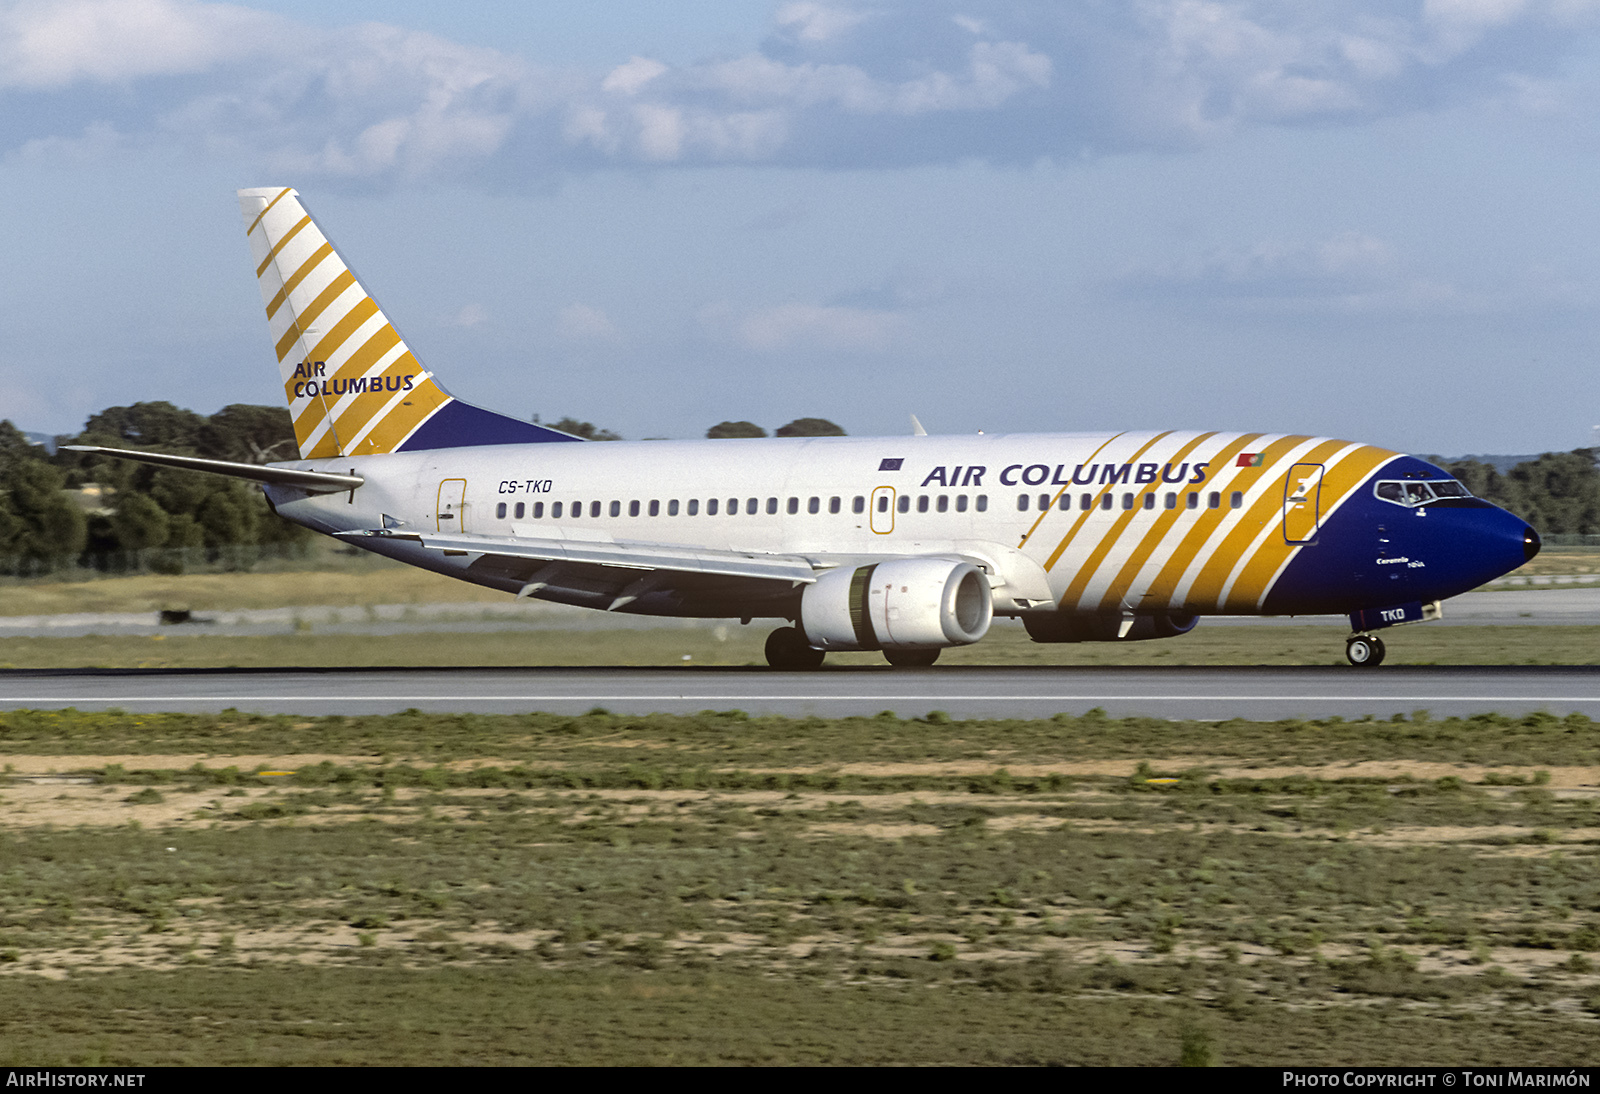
(1103, 474)
(311, 385)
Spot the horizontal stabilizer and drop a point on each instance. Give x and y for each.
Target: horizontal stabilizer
(317, 482)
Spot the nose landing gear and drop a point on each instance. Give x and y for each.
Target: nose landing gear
(1364, 650)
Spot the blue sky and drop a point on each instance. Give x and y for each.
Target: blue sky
(1371, 220)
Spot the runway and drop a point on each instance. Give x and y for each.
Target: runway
(1203, 693)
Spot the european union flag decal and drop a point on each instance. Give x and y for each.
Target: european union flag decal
(890, 464)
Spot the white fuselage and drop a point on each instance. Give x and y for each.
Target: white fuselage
(1133, 521)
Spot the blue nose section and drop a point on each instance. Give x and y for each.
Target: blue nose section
(1374, 553)
(1471, 547)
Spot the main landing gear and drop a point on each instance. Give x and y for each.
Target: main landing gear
(1364, 650)
(787, 648)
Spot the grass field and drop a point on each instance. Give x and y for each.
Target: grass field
(722, 889)
(700, 647)
(343, 578)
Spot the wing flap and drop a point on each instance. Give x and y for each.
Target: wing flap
(641, 558)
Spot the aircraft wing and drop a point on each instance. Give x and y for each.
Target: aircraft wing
(622, 569)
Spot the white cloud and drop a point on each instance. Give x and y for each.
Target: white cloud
(811, 22)
(1348, 273)
(471, 315)
(586, 323)
(52, 43)
(1336, 266)
(629, 78)
(836, 327)
(838, 85)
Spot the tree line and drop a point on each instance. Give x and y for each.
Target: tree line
(144, 507)
(1557, 493)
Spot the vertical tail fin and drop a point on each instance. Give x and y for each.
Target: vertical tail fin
(354, 388)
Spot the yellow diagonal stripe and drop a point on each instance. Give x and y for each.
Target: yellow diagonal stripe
(298, 276)
(1153, 536)
(278, 246)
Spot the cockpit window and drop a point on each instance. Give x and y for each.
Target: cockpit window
(1412, 493)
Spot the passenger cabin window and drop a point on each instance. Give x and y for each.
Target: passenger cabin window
(1194, 499)
(1022, 503)
(883, 503)
(733, 507)
(814, 505)
(1214, 500)
(672, 507)
(1086, 501)
(983, 503)
(538, 510)
(694, 506)
(922, 504)
(616, 508)
(521, 509)
(794, 506)
(500, 511)
(1064, 502)
(1236, 500)
(1127, 501)
(772, 505)
(1149, 501)
(752, 506)
(594, 509)
(1044, 503)
(711, 507)
(633, 508)
(961, 503)
(655, 507)
(943, 505)
(833, 505)
(1172, 500)
(905, 503)
(555, 510)
(1105, 500)
(859, 505)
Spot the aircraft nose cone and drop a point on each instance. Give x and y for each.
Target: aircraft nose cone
(1530, 544)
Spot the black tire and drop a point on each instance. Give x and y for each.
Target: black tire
(911, 659)
(1364, 651)
(787, 648)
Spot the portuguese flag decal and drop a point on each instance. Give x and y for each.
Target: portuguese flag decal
(1248, 459)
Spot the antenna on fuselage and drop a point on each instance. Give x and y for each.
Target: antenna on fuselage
(916, 428)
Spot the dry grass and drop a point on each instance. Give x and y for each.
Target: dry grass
(732, 645)
(455, 889)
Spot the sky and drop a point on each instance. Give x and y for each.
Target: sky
(1370, 220)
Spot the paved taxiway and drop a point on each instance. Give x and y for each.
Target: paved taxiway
(1211, 693)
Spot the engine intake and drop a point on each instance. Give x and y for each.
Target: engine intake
(904, 604)
(1105, 628)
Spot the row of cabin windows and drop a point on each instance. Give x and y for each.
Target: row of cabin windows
(713, 506)
(940, 503)
(1147, 501)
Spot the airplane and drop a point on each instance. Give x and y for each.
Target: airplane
(907, 545)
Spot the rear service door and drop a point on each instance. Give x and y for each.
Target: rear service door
(1302, 503)
(451, 515)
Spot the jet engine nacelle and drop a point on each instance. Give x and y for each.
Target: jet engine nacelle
(1106, 628)
(904, 604)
